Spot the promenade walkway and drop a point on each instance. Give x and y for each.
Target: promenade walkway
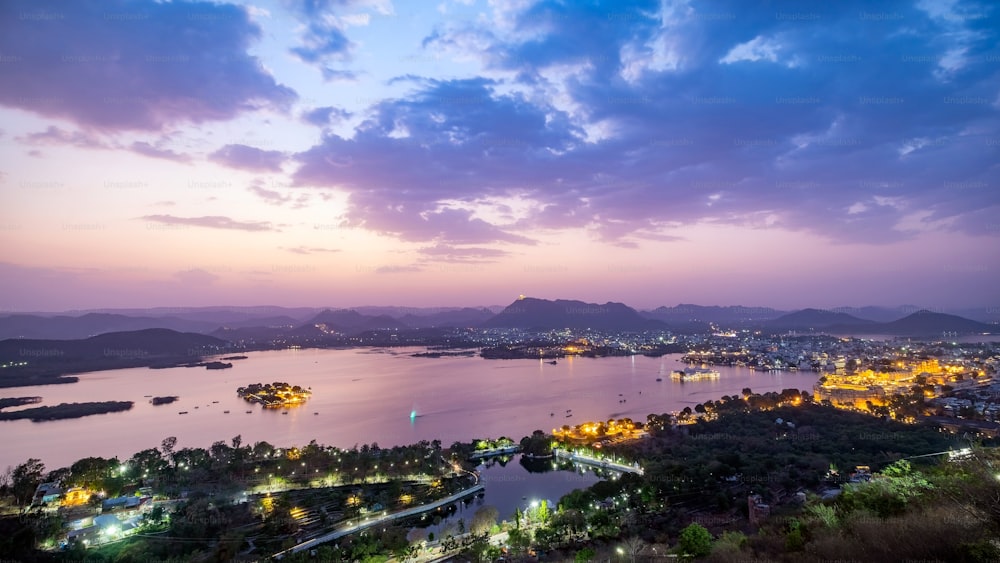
(597, 462)
(378, 520)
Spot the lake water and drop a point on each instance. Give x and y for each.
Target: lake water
(363, 396)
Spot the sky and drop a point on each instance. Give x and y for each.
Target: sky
(463, 152)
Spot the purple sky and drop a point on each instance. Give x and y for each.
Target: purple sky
(349, 152)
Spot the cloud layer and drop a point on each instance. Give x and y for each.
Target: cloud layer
(120, 65)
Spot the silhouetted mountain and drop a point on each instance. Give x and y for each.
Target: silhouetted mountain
(466, 317)
(345, 321)
(734, 315)
(816, 319)
(282, 322)
(66, 327)
(928, 323)
(40, 361)
(542, 314)
(877, 314)
(215, 315)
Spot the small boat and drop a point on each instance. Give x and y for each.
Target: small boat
(215, 402)
(315, 413)
(659, 379)
(568, 410)
(225, 412)
(248, 412)
(553, 362)
(183, 412)
(552, 414)
(285, 412)
(568, 415)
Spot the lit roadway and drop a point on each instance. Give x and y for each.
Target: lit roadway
(597, 462)
(351, 528)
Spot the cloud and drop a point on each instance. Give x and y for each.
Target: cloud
(243, 157)
(757, 49)
(212, 222)
(568, 121)
(466, 254)
(310, 249)
(323, 38)
(149, 150)
(324, 116)
(55, 136)
(132, 67)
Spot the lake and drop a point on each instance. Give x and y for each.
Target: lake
(363, 396)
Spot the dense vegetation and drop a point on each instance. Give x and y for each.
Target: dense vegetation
(67, 410)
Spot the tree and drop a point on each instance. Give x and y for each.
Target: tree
(584, 555)
(543, 511)
(25, 479)
(168, 445)
(484, 519)
(695, 540)
(633, 546)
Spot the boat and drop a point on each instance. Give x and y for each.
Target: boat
(659, 379)
(248, 412)
(183, 412)
(568, 415)
(553, 362)
(225, 412)
(695, 374)
(284, 412)
(214, 402)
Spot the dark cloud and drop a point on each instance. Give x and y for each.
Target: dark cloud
(244, 157)
(211, 222)
(120, 65)
(324, 116)
(632, 119)
(151, 151)
(323, 40)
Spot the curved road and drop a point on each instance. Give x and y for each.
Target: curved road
(351, 528)
(597, 462)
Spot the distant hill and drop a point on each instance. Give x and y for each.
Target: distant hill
(816, 319)
(68, 327)
(877, 314)
(458, 318)
(928, 323)
(345, 321)
(543, 314)
(733, 315)
(39, 361)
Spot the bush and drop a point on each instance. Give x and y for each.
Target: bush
(695, 541)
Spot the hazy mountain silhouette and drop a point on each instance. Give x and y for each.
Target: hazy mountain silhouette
(814, 319)
(543, 314)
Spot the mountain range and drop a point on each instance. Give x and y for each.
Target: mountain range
(269, 323)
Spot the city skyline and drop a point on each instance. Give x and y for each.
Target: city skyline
(369, 152)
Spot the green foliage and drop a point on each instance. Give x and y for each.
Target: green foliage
(695, 541)
(827, 515)
(584, 555)
(795, 539)
(887, 494)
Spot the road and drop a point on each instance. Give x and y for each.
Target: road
(352, 528)
(589, 460)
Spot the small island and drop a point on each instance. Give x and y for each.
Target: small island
(163, 400)
(274, 395)
(18, 401)
(67, 410)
